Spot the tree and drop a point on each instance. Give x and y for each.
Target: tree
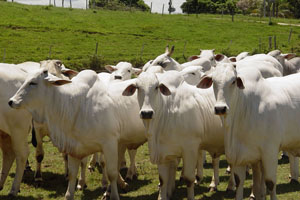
(231, 7)
(294, 7)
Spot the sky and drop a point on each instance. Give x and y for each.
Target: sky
(156, 4)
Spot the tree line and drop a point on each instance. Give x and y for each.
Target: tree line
(263, 8)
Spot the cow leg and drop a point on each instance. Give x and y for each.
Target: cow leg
(123, 161)
(8, 157)
(239, 173)
(294, 168)
(65, 158)
(73, 165)
(189, 163)
(172, 176)
(231, 183)
(258, 189)
(121, 151)
(270, 163)
(39, 155)
(94, 161)
(200, 161)
(110, 150)
(163, 171)
(215, 179)
(104, 180)
(131, 172)
(81, 183)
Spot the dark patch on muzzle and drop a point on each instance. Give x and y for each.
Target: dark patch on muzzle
(220, 110)
(118, 77)
(146, 114)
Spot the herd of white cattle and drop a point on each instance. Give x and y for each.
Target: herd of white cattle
(246, 107)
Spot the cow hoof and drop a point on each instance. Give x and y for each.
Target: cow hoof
(181, 179)
(91, 169)
(106, 196)
(251, 198)
(135, 177)
(28, 169)
(13, 193)
(38, 183)
(294, 182)
(80, 187)
(213, 189)
(104, 188)
(128, 179)
(67, 177)
(229, 191)
(228, 171)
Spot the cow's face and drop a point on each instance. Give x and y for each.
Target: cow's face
(122, 71)
(192, 74)
(149, 91)
(29, 96)
(225, 82)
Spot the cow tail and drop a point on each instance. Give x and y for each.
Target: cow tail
(33, 138)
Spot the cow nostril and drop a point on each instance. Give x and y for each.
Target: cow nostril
(146, 114)
(118, 77)
(10, 103)
(220, 110)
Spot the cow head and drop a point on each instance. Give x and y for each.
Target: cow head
(29, 94)
(192, 74)
(165, 60)
(149, 94)
(122, 71)
(225, 83)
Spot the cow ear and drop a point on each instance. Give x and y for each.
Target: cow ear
(130, 90)
(219, 57)
(137, 71)
(239, 83)
(191, 58)
(232, 59)
(110, 68)
(205, 82)
(164, 90)
(56, 81)
(172, 51)
(289, 56)
(69, 72)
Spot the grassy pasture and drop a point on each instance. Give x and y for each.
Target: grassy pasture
(27, 32)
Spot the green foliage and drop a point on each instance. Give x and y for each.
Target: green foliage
(121, 4)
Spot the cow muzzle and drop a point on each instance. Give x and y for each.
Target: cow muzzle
(220, 110)
(146, 114)
(118, 77)
(14, 104)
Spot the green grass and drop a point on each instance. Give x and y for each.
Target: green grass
(145, 188)
(27, 32)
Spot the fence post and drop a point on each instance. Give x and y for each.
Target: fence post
(70, 3)
(62, 3)
(50, 51)
(290, 35)
(184, 51)
(259, 45)
(96, 50)
(4, 54)
(49, 2)
(142, 50)
(86, 4)
(54, 3)
(162, 12)
(151, 8)
(270, 42)
(275, 45)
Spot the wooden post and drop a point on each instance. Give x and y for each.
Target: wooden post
(49, 2)
(4, 54)
(259, 45)
(151, 8)
(86, 4)
(184, 51)
(96, 51)
(162, 12)
(275, 45)
(62, 3)
(290, 35)
(142, 50)
(70, 3)
(50, 51)
(270, 42)
(54, 3)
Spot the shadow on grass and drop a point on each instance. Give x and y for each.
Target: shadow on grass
(152, 196)
(287, 187)
(19, 197)
(92, 194)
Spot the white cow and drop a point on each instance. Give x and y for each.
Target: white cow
(284, 59)
(14, 137)
(180, 121)
(252, 110)
(83, 118)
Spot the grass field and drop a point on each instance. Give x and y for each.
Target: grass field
(27, 32)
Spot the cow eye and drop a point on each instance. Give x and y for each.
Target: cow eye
(32, 83)
(128, 70)
(233, 82)
(193, 73)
